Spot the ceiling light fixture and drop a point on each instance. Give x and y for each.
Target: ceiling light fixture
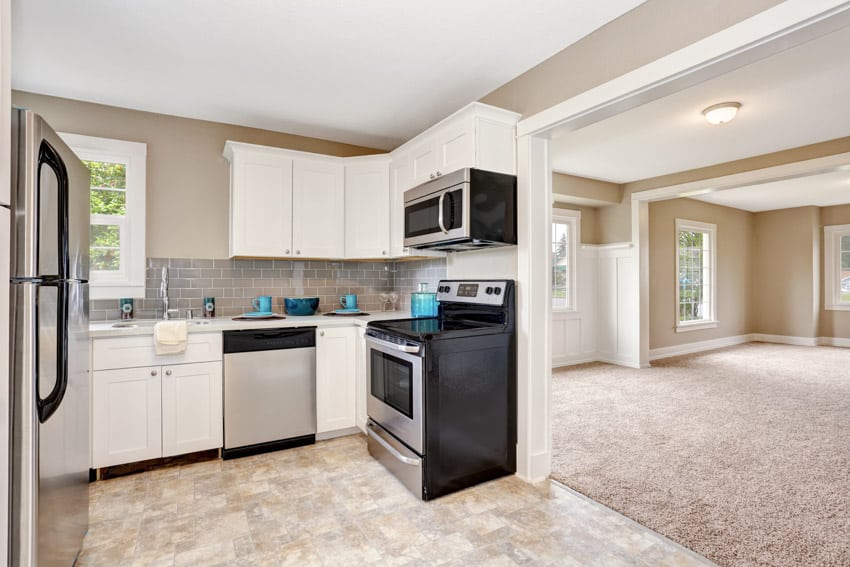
(721, 113)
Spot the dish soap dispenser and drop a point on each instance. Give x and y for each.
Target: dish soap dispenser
(423, 303)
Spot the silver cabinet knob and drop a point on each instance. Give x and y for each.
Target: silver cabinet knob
(383, 252)
(168, 372)
(287, 251)
(298, 251)
(153, 372)
(321, 333)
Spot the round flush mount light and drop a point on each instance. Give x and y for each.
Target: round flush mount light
(721, 113)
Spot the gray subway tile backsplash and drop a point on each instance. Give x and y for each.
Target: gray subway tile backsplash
(234, 283)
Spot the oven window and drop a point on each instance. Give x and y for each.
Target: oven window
(392, 382)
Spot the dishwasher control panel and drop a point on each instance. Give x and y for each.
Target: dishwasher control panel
(255, 340)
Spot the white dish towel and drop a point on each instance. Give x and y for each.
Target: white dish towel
(171, 337)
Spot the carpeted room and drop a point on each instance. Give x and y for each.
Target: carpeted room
(738, 453)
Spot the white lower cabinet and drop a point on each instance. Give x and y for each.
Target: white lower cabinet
(155, 410)
(126, 416)
(335, 378)
(191, 408)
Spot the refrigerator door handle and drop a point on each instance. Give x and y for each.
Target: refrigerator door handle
(48, 156)
(48, 405)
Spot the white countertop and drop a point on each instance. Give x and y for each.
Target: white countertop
(100, 329)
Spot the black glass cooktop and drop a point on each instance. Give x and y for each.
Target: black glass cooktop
(422, 328)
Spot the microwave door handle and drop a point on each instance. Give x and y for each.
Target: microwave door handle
(402, 348)
(440, 213)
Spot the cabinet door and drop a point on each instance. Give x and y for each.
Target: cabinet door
(191, 408)
(423, 160)
(455, 144)
(335, 379)
(400, 181)
(367, 209)
(318, 209)
(260, 205)
(125, 416)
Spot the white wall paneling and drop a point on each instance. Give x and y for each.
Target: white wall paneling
(574, 332)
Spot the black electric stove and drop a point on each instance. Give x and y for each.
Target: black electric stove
(442, 390)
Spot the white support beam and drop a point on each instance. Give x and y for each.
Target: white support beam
(534, 372)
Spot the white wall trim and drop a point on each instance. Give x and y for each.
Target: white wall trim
(786, 340)
(699, 346)
(778, 28)
(834, 342)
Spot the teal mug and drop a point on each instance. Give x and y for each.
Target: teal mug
(348, 301)
(126, 305)
(262, 303)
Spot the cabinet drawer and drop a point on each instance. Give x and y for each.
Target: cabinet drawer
(131, 352)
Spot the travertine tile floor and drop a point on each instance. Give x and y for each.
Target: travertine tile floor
(332, 504)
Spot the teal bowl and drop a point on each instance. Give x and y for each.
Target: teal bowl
(301, 305)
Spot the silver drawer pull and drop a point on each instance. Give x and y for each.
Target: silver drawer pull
(391, 449)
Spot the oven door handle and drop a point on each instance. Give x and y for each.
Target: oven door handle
(392, 450)
(440, 213)
(403, 348)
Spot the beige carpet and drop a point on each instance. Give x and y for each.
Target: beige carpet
(741, 454)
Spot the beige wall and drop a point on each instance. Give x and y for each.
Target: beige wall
(734, 279)
(833, 323)
(652, 30)
(589, 223)
(187, 177)
(586, 188)
(786, 270)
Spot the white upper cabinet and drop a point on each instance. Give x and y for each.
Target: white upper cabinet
(260, 201)
(367, 207)
(318, 209)
(290, 204)
(479, 136)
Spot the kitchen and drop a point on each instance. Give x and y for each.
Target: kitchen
(179, 220)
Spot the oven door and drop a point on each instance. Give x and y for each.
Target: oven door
(395, 390)
(436, 217)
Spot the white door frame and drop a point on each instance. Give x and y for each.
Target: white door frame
(776, 29)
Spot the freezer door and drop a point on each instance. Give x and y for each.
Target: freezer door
(51, 203)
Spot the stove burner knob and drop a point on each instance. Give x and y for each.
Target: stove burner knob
(498, 291)
(446, 289)
(489, 291)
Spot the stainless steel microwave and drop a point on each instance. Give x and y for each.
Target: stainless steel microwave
(467, 209)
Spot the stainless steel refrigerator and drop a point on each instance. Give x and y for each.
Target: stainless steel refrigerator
(49, 348)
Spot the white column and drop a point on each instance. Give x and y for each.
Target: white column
(534, 361)
(640, 237)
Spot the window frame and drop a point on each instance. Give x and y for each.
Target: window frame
(832, 267)
(572, 219)
(711, 322)
(130, 279)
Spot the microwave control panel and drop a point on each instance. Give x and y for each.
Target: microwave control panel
(485, 292)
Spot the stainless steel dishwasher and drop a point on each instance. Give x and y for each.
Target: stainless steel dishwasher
(269, 390)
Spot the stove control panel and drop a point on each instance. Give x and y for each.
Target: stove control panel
(480, 292)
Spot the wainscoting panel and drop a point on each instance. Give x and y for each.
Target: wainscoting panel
(574, 332)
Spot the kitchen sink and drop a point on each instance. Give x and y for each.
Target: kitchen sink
(151, 323)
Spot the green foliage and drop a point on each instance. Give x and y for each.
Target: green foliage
(107, 197)
(108, 184)
(845, 252)
(690, 274)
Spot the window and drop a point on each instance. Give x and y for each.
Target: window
(837, 267)
(117, 198)
(696, 276)
(565, 230)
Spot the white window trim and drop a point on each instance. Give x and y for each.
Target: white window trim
(711, 229)
(130, 282)
(573, 220)
(832, 262)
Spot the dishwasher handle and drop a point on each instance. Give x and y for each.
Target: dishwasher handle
(255, 340)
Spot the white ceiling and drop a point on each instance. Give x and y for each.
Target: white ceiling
(798, 97)
(823, 190)
(371, 73)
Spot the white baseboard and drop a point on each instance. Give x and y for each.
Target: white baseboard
(834, 341)
(699, 346)
(786, 340)
(572, 360)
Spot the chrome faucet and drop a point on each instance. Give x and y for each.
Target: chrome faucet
(163, 292)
